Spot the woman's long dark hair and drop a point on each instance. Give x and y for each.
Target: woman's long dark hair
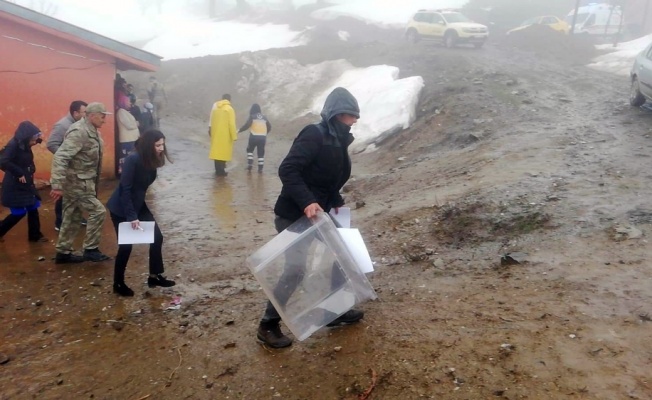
(147, 152)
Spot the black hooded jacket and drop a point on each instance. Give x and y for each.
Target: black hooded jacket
(18, 160)
(318, 163)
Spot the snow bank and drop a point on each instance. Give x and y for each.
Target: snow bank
(621, 59)
(387, 104)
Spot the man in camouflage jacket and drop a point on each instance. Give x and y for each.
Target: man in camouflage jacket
(76, 169)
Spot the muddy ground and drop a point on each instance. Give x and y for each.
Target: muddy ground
(517, 149)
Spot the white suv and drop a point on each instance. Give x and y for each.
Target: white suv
(449, 26)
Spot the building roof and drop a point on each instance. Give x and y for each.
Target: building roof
(127, 57)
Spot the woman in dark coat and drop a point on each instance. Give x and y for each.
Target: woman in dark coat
(127, 204)
(18, 191)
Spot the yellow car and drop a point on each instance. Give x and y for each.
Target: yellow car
(449, 26)
(549, 20)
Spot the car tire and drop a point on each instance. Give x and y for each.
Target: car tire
(478, 45)
(450, 39)
(412, 36)
(636, 99)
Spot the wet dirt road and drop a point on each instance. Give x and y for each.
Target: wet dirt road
(67, 335)
(511, 153)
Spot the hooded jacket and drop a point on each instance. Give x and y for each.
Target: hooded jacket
(257, 123)
(318, 163)
(17, 161)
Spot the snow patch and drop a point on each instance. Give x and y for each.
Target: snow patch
(387, 104)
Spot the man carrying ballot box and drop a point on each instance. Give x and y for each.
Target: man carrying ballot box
(315, 169)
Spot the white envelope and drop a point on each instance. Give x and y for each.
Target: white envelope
(127, 235)
(356, 246)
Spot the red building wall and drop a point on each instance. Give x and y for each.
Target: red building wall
(40, 74)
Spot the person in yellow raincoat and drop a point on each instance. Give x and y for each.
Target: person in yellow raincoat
(223, 132)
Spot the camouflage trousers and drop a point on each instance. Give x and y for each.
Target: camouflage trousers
(158, 111)
(74, 202)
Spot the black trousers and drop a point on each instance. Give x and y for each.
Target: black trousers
(292, 276)
(219, 167)
(256, 142)
(124, 250)
(33, 224)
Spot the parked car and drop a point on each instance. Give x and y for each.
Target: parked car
(641, 78)
(548, 20)
(449, 26)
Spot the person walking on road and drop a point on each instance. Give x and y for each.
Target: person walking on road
(313, 172)
(222, 131)
(76, 170)
(158, 97)
(259, 127)
(76, 111)
(127, 204)
(18, 191)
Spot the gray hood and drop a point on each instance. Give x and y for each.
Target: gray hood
(340, 101)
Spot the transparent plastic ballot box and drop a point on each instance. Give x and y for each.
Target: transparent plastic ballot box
(309, 275)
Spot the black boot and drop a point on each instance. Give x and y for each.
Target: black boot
(273, 336)
(348, 317)
(63, 258)
(160, 280)
(95, 255)
(122, 290)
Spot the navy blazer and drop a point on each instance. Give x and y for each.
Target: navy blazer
(129, 197)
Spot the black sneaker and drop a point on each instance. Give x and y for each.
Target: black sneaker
(160, 280)
(273, 337)
(122, 290)
(63, 258)
(349, 317)
(95, 255)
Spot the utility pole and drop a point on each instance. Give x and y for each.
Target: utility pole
(644, 26)
(620, 25)
(577, 7)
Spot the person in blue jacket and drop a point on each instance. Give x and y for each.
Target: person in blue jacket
(18, 191)
(127, 204)
(315, 169)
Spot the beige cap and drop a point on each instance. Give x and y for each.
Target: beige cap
(96, 108)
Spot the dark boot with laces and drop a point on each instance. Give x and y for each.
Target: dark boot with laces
(95, 255)
(349, 317)
(160, 280)
(272, 336)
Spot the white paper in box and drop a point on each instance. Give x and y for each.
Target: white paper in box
(309, 275)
